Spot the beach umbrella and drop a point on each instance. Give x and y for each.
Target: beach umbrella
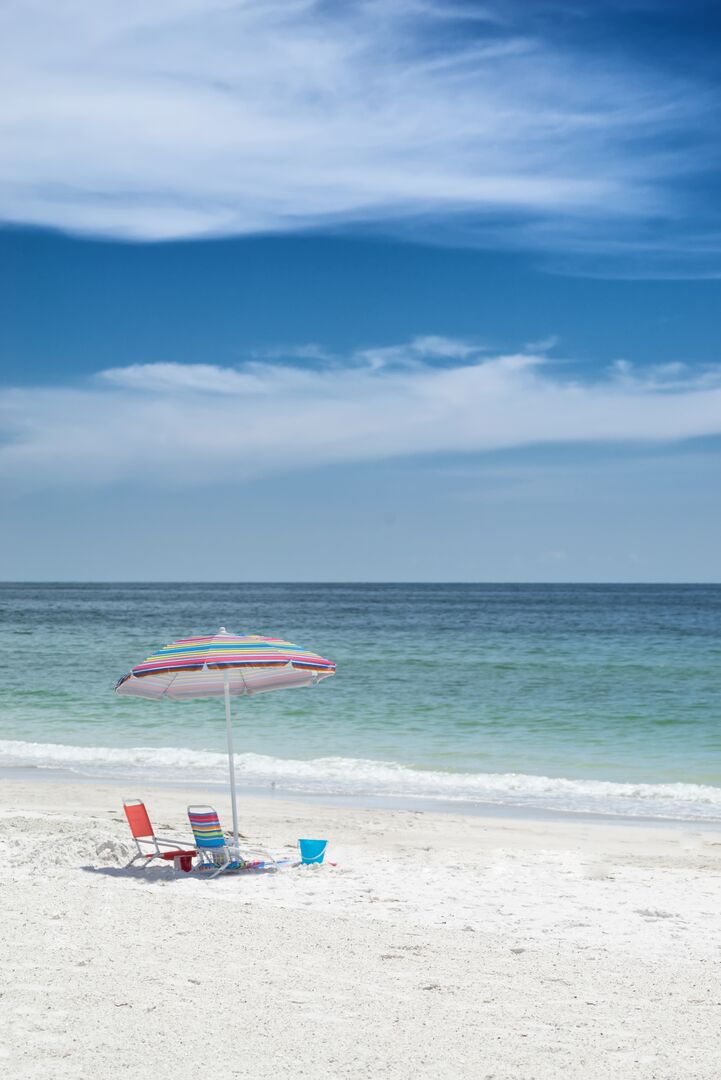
(221, 665)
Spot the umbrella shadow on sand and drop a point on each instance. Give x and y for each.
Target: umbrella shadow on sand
(160, 875)
(149, 874)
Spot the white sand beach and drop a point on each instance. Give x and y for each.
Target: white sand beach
(440, 945)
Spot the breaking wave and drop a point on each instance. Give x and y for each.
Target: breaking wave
(360, 777)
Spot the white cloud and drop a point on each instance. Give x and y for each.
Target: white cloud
(180, 425)
(198, 117)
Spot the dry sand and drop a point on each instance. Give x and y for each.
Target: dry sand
(439, 946)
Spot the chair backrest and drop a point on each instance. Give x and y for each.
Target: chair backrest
(206, 827)
(138, 819)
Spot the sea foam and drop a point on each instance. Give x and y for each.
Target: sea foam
(362, 777)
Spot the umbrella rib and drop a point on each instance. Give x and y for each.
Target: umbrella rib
(170, 683)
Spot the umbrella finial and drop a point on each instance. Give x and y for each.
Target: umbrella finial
(223, 630)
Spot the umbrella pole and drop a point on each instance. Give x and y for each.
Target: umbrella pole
(231, 758)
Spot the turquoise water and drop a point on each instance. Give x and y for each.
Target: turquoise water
(468, 692)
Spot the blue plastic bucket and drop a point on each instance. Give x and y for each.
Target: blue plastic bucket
(312, 851)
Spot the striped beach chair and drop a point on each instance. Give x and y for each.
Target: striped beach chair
(155, 846)
(216, 855)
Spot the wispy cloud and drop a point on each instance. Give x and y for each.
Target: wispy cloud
(181, 425)
(195, 117)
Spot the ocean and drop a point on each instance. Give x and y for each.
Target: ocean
(589, 698)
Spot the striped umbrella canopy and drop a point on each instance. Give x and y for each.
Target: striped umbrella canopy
(204, 666)
(220, 665)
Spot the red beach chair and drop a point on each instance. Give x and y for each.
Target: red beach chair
(142, 831)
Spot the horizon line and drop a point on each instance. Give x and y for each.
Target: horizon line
(309, 581)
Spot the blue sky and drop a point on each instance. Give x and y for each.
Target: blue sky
(384, 291)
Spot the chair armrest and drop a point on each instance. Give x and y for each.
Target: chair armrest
(174, 843)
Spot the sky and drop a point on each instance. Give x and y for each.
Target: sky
(385, 290)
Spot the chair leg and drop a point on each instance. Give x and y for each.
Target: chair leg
(220, 870)
(223, 867)
(203, 865)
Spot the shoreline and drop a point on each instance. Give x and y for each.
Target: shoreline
(475, 833)
(400, 803)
